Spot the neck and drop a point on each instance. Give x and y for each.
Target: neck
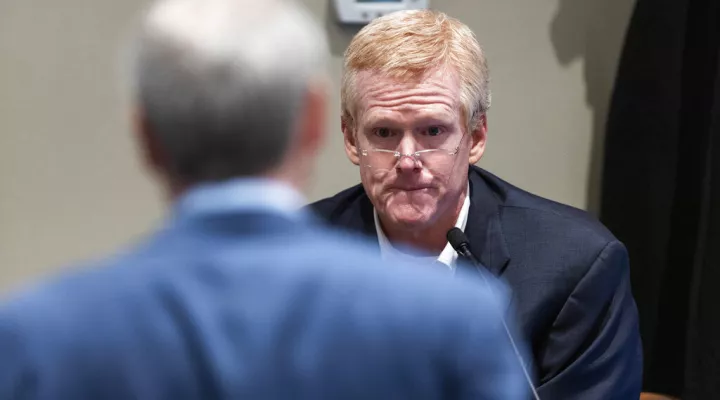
(432, 237)
(292, 176)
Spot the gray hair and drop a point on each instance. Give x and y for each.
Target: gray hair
(220, 82)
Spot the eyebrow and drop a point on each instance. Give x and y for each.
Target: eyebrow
(383, 120)
(436, 118)
(440, 118)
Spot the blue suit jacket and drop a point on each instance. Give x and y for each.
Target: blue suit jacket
(569, 277)
(255, 305)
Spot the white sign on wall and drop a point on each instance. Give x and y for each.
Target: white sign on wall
(364, 11)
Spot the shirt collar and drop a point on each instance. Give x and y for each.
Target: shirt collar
(448, 256)
(242, 194)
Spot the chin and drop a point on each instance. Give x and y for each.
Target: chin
(412, 210)
(409, 216)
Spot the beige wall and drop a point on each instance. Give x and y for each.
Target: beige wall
(70, 184)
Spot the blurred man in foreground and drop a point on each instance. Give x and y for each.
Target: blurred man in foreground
(241, 295)
(414, 99)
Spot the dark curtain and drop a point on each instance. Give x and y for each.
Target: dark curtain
(661, 188)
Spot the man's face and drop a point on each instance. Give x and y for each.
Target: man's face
(409, 118)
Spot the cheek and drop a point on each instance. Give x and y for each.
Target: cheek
(372, 182)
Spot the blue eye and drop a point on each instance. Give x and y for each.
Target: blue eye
(434, 131)
(383, 132)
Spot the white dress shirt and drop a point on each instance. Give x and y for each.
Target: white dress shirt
(448, 256)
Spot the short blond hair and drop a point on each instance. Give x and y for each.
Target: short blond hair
(410, 44)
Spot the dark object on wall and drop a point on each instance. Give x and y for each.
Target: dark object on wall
(661, 188)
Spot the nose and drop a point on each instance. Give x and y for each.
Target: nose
(407, 163)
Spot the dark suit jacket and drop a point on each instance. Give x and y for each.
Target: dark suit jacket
(569, 277)
(233, 304)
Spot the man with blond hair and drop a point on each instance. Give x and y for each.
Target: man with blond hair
(415, 97)
(241, 295)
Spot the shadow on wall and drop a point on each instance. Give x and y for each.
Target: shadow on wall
(593, 31)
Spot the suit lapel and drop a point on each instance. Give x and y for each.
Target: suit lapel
(484, 228)
(359, 218)
(368, 220)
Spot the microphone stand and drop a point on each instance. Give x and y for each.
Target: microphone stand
(460, 243)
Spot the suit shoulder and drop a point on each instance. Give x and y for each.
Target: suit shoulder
(556, 243)
(563, 217)
(82, 293)
(91, 334)
(548, 214)
(66, 305)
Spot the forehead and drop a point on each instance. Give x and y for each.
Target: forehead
(437, 94)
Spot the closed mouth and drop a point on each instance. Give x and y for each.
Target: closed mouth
(411, 189)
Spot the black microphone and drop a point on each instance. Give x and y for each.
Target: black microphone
(457, 239)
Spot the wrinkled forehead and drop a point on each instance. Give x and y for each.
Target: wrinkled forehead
(435, 92)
